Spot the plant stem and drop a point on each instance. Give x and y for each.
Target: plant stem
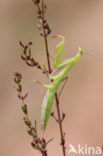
(60, 124)
(44, 154)
(57, 105)
(56, 99)
(47, 52)
(45, 38)
(56, 96)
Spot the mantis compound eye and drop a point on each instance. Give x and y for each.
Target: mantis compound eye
(80, 51)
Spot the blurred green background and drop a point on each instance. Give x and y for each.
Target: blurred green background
(81, 22)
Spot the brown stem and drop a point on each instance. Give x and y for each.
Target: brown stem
(44, 153)
(47, 52)
(57, 103)
(56, 97)
(58, 110)
(60, 124)
(46, 42)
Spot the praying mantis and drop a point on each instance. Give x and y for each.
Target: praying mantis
(56, 80)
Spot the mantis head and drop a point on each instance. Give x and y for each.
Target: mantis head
(80, 50)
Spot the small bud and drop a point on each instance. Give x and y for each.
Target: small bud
(44, 21)
(39, 12)
(24, 108)
(25, 96)
(23, 57)
(30, 43)
(39, 17)
(49, 31)
(19, 96)
(27, 122)
(42, 34)
(46, 26)
(33, 145)
(43, 140)
(16, 80)
(62, 142)
(30, 132)
(21, 44)
(38, 66)
(63, 115)
(39, 26)
(52, 113)
(18, 75)
(37, 1)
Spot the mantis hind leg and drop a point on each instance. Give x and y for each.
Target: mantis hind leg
(65, 79)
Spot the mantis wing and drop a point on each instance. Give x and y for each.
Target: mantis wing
(46, 107)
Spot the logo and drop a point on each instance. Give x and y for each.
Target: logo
(81, 150)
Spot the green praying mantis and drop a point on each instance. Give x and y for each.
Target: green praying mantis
(56, 80)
